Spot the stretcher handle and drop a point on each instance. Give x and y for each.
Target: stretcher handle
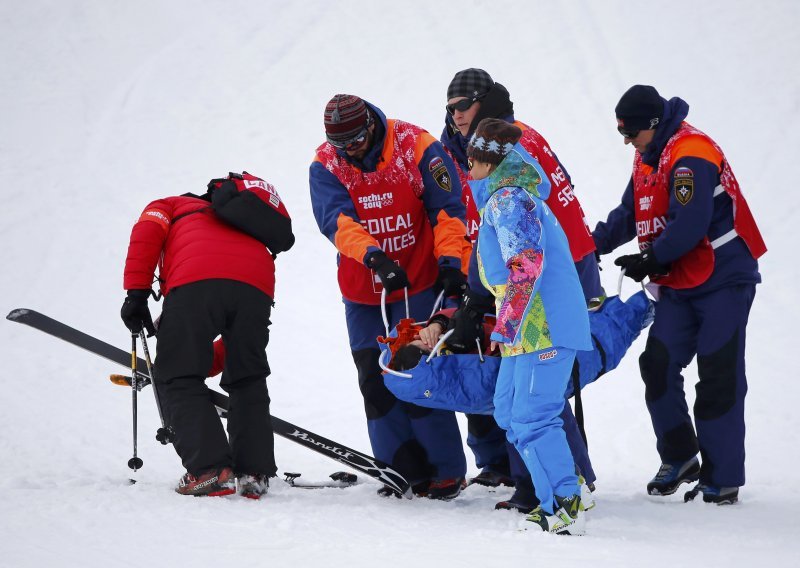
(383, 366)
(619, 284)
(438, 347)
(383, 309)
(437, 304)
(442, 339)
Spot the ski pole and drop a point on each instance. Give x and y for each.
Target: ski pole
(164, 434)
(135, 462)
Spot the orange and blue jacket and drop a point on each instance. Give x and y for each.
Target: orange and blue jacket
(403, 198)
(683, 199)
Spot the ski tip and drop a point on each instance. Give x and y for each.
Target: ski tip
(17, 313)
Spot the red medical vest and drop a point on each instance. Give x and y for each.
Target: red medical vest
(651, 194)
(562, 201)
(388, 203)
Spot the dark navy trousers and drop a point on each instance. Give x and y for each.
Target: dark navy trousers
(711, 327)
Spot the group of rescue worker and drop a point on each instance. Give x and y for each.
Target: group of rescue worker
(411, 217)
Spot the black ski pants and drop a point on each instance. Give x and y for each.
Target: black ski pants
(193, 316)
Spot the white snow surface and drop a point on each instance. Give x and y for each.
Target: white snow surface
(108, 105)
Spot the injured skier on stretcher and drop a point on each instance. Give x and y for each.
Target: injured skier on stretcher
(465, 382)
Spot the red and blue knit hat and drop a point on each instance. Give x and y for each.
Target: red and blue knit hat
(346, 116)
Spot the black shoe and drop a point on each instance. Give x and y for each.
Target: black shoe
(252, 486)
(514, 506)
(446, 489)
(671, 475)
(489, 478)
(421, 489)
(387, 492)
(713, 494)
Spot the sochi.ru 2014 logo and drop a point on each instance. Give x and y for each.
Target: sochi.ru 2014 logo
(376, 200)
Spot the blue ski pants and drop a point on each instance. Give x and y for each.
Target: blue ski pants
(712, 327)
(529, 400)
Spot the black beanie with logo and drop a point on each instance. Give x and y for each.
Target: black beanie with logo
(640, 108)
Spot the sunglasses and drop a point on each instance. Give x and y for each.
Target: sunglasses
(354, 143)
(463, 104)
(630, 134)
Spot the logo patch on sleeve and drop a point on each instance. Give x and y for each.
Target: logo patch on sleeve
(439, 172)
(684, 185)
(157, 216)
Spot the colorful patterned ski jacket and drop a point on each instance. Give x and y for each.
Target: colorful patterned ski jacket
(524, 260)
(403, 198)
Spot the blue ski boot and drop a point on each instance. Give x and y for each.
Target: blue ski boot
(671, 475)
(713, 494)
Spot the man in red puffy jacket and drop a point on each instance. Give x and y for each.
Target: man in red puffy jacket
(215, 255)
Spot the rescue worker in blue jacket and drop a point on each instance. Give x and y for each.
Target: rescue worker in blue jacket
(385, 194)
(699, 245)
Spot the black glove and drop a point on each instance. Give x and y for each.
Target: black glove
(451, 280)
(135, 313)
(392, 276)
(467, 322)
(637, 266)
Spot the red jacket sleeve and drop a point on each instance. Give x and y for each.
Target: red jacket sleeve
(146, 244)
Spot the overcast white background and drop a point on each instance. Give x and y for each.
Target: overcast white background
(106, 106)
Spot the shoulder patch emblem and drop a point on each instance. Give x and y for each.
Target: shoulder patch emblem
(440, 175)
(684, 185)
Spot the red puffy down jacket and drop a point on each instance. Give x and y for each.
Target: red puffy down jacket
(188, 242)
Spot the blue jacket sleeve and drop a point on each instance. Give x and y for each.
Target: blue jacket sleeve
(619, 227)
(690, 210)
(442, 201)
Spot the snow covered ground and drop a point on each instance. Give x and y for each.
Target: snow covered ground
(108, 105)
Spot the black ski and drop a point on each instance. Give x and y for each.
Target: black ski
(347, 456)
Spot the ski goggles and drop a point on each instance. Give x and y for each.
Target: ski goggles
(353, 143)
(630, 134)
(463, 104)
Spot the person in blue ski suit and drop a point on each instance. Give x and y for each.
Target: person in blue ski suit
(524, 260)
(699, 246)
(473, 95)
(466, 382)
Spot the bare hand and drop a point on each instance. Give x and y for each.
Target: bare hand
(430, 335)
